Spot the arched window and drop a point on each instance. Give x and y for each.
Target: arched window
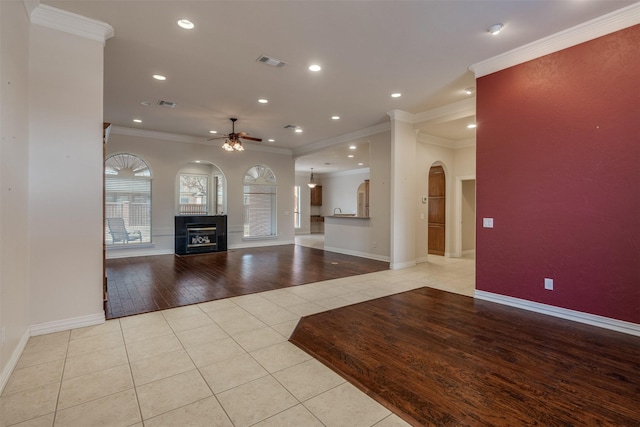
(260, 202)
(127, 194)
(201, 187)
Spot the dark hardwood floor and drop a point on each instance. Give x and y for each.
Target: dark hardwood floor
(143, 284)
(442, 359)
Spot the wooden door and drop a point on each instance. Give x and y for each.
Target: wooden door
(437, 203)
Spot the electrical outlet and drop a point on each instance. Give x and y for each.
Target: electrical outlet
(487, 222)
(548, 284)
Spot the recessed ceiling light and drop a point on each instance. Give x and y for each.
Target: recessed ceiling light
(263, 101)
(350, 156)
(159, 77)
(271, 140)
(137, 121)
(335, 117)
(315, 67)
(197, 161)
(298, 130)
(396, 95)
(360, 164)
(145, 103)
(470, 90)
(471, 126)
(213, 131)
(186, 24)
(352, 147)
(495, 29)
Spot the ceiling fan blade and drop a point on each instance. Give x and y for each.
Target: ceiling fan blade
(218, 137)
(250, 138)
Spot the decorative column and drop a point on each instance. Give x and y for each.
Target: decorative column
(403, 190)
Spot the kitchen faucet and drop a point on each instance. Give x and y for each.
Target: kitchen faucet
(337, 209)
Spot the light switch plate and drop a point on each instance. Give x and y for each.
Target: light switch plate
(548, 284)
(487, 222)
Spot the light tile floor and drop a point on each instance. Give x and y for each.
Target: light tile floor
(219, 363)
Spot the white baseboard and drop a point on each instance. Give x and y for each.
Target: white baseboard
(468, 252)
(422, 259)
(357, 253)
(66, 324)
(564, 313)
(13, 360)
(401, 265)
(130, 253)
(260, 244)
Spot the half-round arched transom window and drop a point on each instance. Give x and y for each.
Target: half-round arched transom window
(128, 165)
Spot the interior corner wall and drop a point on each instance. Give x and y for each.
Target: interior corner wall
(558, 168)
(65, 177)
(14, 166)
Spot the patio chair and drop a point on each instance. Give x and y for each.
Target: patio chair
(119, 232)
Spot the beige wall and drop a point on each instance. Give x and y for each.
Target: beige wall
(468, 223)
(380, 193)
(340, 190)
(167, 156)
(65, 176)
(14, 167)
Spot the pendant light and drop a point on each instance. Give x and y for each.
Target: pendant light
(312, 182)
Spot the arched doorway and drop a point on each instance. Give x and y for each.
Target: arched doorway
(437, 213)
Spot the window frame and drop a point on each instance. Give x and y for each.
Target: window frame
(259, 180)
(125, 166)
(191, 209)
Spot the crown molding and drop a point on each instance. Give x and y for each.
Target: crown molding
(347, 137)
(361, 171)
(30, 5)
(425, 138)
(598, 27)
(455, 110)
(400, 115)
(141, 133)
(68, 22)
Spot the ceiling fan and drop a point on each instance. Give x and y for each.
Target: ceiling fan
(233, 140)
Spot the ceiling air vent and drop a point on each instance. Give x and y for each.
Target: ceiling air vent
(292, 127)
(169, 104)
(271, 61)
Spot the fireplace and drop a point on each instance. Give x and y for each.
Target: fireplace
(200, 234)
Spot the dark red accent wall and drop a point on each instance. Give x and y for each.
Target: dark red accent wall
(558, 168)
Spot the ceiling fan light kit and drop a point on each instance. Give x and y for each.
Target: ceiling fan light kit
(233, 141)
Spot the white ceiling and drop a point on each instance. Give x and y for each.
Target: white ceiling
(368, 50)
